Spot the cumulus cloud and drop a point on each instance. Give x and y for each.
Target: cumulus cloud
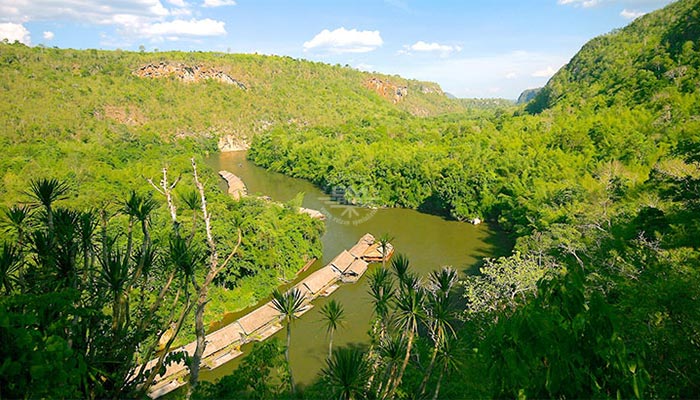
(544, 73)
(424, 47)
(218, 3)
(631, 14)
(14, 32)
(511, 75)
(133, 19)
(343, 40)
(580, 3)
(48, 35)
(90, 11)
(193, 27)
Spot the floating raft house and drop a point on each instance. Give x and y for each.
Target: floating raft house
(224, 344)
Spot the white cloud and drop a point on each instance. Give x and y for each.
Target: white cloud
(421, 46)
(15, 32)
(544, 73)
(133, 19)
(48, 35)
(218, 3)
(580, 3)
(85, 11)
(342, 40)
(177, 28)
(511, 75)
(631, 14)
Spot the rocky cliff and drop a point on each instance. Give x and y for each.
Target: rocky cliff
(386, 89)
(186, 73)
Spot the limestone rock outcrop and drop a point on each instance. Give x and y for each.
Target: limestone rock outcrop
(388, 90)
(187, 73)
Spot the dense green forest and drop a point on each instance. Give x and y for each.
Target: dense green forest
(597, 179)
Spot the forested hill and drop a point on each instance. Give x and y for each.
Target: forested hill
(653, 59)
(195, 93)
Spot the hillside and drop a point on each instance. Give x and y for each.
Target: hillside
(62, 104)
(598, 183)
(655, 58)
(71, 86)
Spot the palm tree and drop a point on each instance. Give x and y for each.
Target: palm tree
(346, 373)
(409, 312)
(17, 219)
(384, 240)
(448, 359)
(381, 288)
(46, 192)
(115, 274)
(289, 305)
(10, 263)
(441, 314)
(400, 265)
(391, 351)
(333, 316)
(193, 202)
(441, 282)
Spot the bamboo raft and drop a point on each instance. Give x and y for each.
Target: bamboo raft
(224, 344)
(237, 189)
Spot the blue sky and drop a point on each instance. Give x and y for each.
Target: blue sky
(472, 48)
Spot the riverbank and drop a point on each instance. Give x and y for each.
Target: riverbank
(429, 241)
(225, 344)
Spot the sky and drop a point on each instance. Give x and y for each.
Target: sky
(472, 48)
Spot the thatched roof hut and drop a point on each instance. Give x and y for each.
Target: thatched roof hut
(355, 270)
(342, 262)
(259, 318)
(374, 253)
(319, 280)
(359, 249)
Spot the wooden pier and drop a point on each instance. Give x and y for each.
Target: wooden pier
(224, 344)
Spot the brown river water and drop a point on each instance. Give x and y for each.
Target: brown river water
(429, 241)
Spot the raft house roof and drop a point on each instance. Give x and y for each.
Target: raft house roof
(259, 318)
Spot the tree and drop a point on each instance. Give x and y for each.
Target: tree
(46, 192)
(333, 316)
(383, 241)
(440, 314)
(409, 313)
(346, 373)
(289, 304)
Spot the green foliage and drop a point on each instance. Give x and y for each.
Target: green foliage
(346, 373)
(261, 376)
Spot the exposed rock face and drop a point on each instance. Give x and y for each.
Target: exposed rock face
(127, 115)
(186, 73)
(425, 89)
(229, 143)
(387, 89)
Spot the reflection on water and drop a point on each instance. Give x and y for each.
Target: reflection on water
(429, 241)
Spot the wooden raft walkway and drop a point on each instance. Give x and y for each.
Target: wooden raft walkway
(224, 344)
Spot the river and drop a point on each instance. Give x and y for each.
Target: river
(429, 241)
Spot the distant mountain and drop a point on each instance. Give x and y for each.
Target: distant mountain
(527, 95)
(656, 55)
(489, 103)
